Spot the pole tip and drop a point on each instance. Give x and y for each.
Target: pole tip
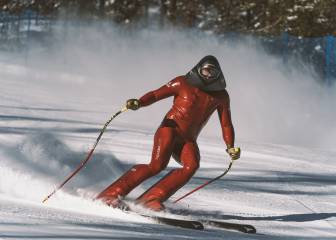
(44, 200)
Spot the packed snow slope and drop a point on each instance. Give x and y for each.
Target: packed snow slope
(52, 109)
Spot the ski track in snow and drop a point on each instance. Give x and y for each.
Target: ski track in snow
(286, 192)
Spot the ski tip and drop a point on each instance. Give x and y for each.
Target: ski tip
(198, 226)
(249, 229)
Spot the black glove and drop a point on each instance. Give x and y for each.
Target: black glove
(133, 104)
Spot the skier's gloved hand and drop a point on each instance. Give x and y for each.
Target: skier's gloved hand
(133, 104)
(234, 152)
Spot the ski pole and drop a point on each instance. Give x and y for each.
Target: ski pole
(88, 155)
(206, 183)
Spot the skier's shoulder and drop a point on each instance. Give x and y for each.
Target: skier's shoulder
(176, 82)
(221, 94)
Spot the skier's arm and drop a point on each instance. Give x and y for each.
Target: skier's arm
(224, 114)
(226, 123)
(165, 91)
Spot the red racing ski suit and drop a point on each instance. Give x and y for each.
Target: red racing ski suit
(176, 136)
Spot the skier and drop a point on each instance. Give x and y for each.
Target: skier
(196, 96)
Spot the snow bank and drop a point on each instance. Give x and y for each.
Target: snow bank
(41, 161)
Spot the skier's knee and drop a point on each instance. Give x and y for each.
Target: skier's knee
(156, 168)
(191, 168)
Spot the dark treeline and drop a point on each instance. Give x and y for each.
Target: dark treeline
(306, 18)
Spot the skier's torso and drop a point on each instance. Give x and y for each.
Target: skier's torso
(193, 107)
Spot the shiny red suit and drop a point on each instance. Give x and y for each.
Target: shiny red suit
(176, 136)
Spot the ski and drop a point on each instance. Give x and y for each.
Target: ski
(245, 228)
(189, 224)
(171, 221)
(199, 224)
(196, 224)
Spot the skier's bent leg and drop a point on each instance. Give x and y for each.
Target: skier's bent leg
(174, 180)
(162, 150)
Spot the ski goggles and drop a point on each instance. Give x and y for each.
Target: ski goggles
(209, 73)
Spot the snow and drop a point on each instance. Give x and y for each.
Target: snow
(48, 122)
(290, 18)
(257, 24)
(321, 20)
(243, 13)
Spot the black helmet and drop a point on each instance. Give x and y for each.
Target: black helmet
(207, 75)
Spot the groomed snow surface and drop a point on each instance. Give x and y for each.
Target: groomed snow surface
(286, 192)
